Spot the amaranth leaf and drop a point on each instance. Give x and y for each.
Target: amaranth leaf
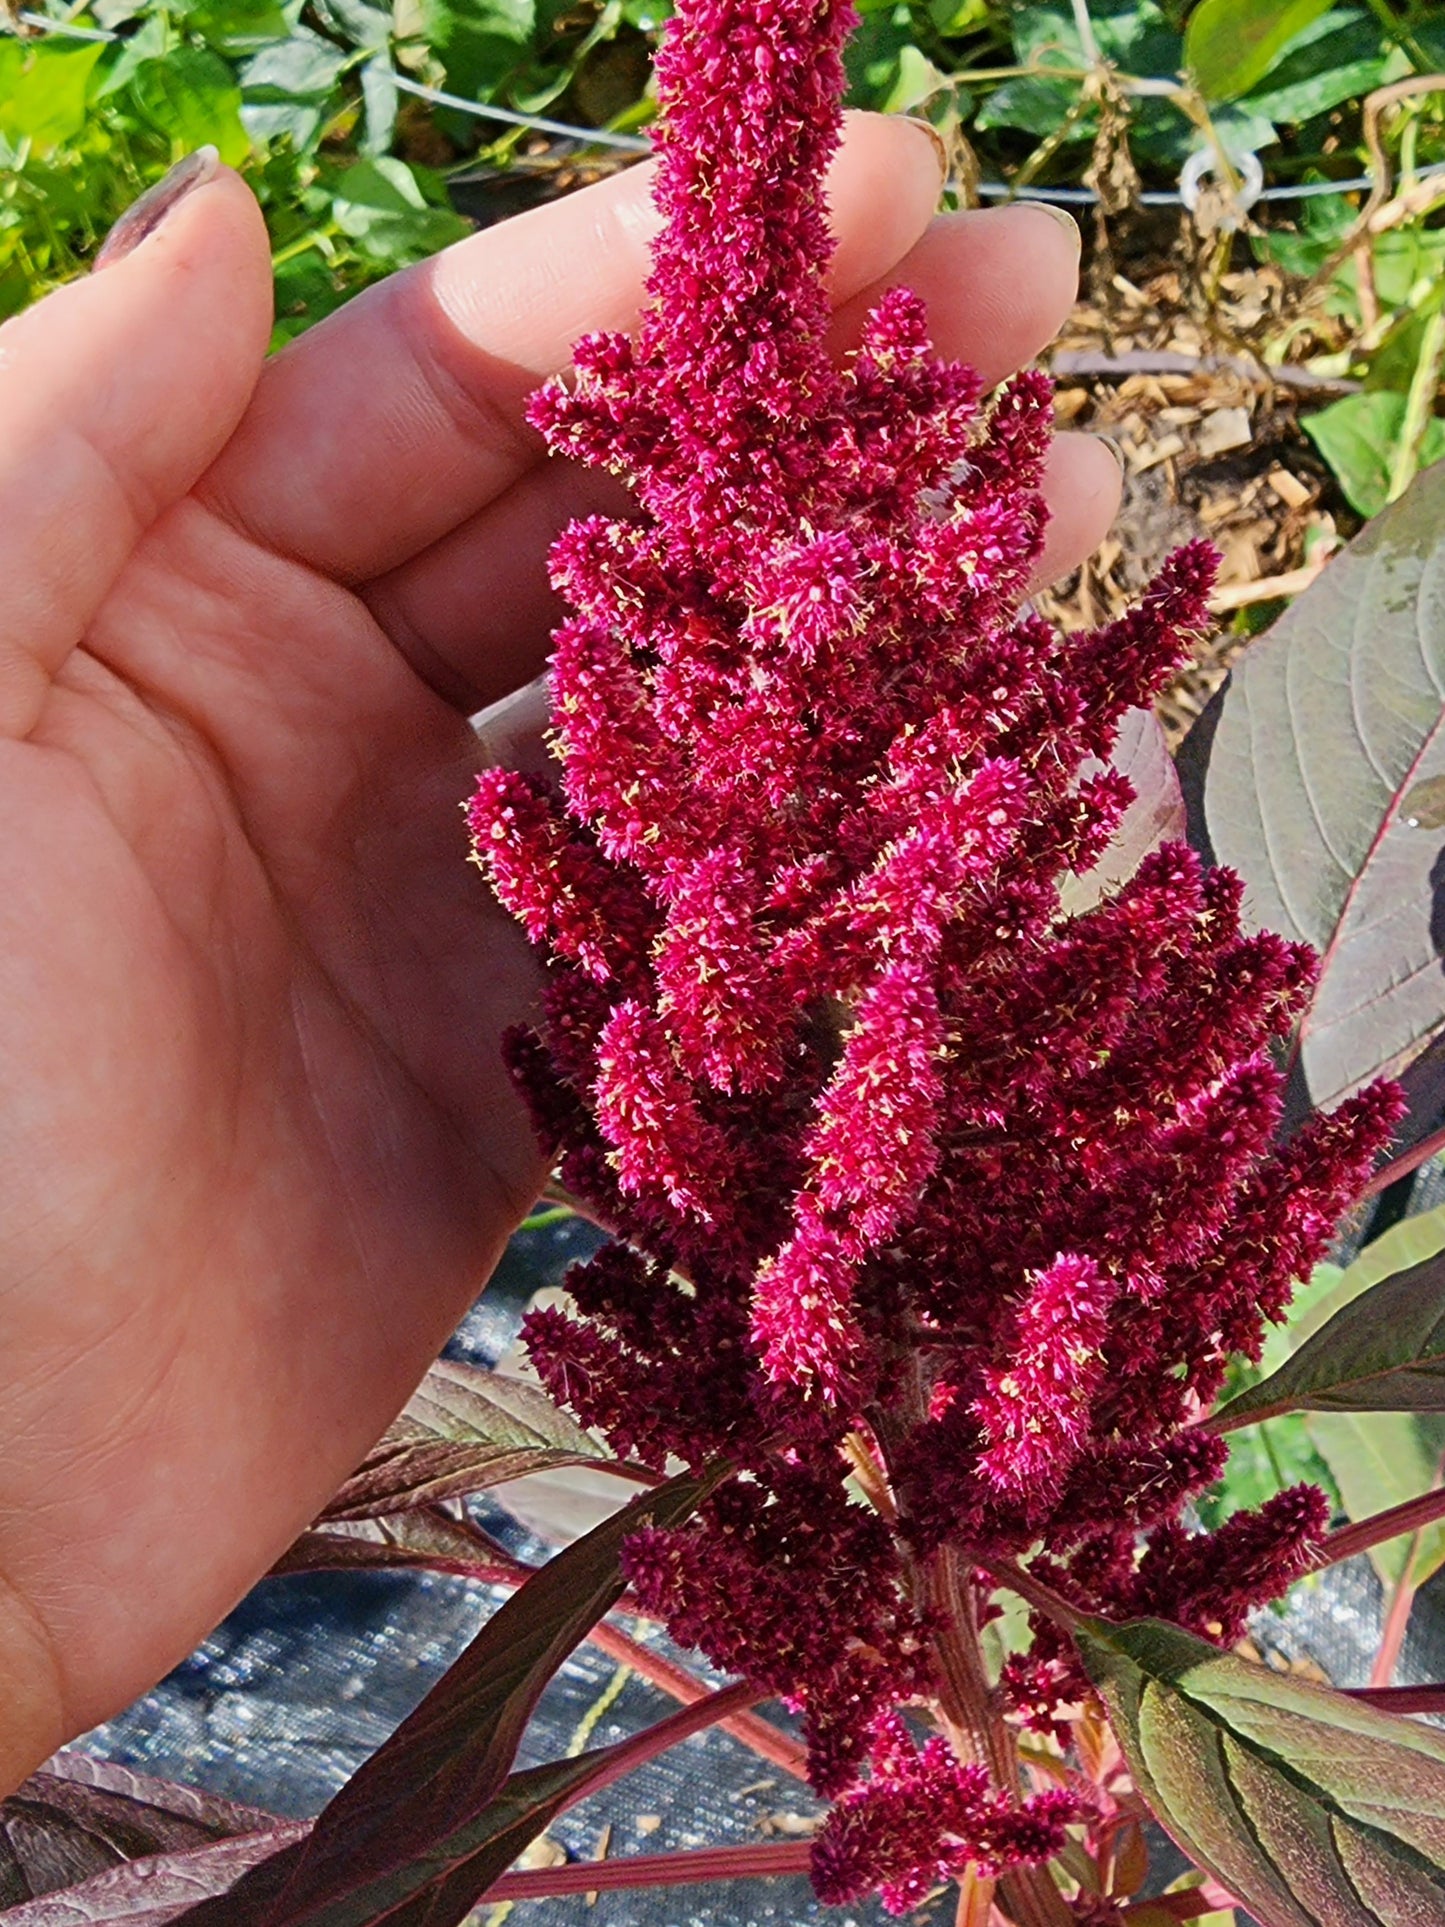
(463, 1430)
(1315, 1810)
(403, 1836)
(78, 1816)
(1323, 787)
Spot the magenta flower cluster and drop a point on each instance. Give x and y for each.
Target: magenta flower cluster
(923, 1191)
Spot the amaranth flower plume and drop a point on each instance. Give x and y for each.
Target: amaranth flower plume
(908, 1171)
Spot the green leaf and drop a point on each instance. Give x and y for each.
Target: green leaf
(1375, 1459)
(359, 23)
(463, 1431)
(238, 26)
(1321, 788)
(479, 42)
(409, 1837)
(1384, 1351)
(190, 96)
(291, 89)
(1359, 435)
(917, 80)
(380, 204)
(1378, 1460)
(43, 90)
(380, 99)
(1036, 105)
(1309, 1806)
(1232, 44)
(1341, 56)
(305, 66)
(1408, 1243)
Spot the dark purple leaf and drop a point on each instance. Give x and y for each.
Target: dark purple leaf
(1315, 1810)
(463, 1430)
(408, 1831)
(1326, 790)
(425, 1538)
(154, 1891)
(79, 1816)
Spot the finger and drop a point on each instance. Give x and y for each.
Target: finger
(999, 284)
(1083, 485)
(116, 393)
(399, 417)
(473, 612)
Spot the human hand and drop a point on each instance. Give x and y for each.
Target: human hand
(256, 1150)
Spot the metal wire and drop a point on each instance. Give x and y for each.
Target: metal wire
(635, 144)
(596, 136)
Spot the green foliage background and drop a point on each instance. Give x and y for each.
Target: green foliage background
(302, 95)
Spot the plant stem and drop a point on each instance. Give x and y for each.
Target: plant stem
(1419, 404)
(1380, 1527)
(654, 1870)
(1402, 1166)
(628, 1755)
(1400, 1699)
(1400, 34)
(758, 1735)
(1028, 1896)
(1397, 1620)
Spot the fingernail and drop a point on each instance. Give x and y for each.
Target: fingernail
(1065, 220)
(940, 145)
(143, 217)
(1116, 451)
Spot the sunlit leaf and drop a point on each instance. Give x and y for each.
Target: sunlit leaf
(380, 204)
(190, 95)
(1307, 1805)
(463, 1431)
(1231, 44)
(1332, 724)
(1378, 1460)
(1358, 435)
(410, 1838)
(43, 87)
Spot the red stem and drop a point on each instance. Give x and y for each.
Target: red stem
(628, 1755)
(1397, 1620)
(759, 1735)
(1400, 1699)
(654, 1870)
(1402, 1166)
(1380, 1526)
(1020, 1580)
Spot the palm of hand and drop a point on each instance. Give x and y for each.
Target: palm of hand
(257, 1152)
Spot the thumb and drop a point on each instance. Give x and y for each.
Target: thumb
(116, 393)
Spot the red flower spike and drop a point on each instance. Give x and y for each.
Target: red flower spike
(888, 1142)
